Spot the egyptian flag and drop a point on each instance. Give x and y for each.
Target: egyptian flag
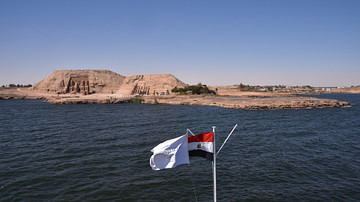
(201, 145)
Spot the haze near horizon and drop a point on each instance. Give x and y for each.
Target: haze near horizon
(255, 42)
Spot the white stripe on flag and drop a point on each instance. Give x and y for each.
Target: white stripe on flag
(205, 146)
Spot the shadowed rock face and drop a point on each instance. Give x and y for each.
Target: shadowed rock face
(80, 81)
(155, 84)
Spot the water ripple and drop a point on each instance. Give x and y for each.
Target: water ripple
(101, 152)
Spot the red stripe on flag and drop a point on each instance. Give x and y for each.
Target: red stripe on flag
(202, 137)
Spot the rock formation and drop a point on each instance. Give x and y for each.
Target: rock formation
(80, 81)
(103, 81)
(103, 86)
(249, 103)
(155, 84)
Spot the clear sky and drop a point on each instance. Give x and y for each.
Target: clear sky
(227, 42)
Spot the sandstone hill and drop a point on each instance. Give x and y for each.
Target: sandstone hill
(80, 81)
(103, 86)
(155, 84)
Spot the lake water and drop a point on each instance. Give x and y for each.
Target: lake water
(101, 152)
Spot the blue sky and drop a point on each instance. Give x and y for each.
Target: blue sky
(256, 42)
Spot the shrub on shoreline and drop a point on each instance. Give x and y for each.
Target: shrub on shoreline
(137, 100)
(194, 89)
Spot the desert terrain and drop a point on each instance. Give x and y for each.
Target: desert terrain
(106, 87)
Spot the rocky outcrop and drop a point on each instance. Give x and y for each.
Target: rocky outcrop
(103, 86)
(249, 103)
(80, 81)
(155, 84)
(103, 81)
(89, 99)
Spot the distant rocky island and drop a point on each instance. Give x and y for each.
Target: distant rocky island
(107, 87)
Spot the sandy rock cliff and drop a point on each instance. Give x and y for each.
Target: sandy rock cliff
(103, 81)
(80, 81)
(155, 84)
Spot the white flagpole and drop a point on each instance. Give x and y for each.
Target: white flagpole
(188, 130)
(214, 164)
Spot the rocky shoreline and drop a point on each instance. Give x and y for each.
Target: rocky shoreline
(247, 102)
(251, 103)
(107, 87)
(90, 99)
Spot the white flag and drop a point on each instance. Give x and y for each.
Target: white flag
(170, 153)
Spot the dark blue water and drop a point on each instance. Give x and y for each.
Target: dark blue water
(101, 152)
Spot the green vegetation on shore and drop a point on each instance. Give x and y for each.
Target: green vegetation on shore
(194, 89)
(137, 100)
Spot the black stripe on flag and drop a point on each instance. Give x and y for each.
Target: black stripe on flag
(202, 153)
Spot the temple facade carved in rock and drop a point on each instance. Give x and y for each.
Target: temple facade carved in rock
(78, 84)
(140, 90)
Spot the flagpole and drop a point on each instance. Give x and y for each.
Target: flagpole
(214, 164)
(226, 139)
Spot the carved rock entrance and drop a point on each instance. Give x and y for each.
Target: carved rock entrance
(78, 84)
